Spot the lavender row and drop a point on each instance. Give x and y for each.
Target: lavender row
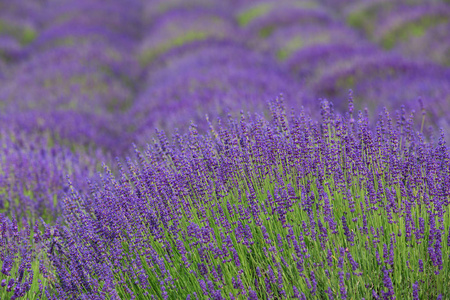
(287, 208)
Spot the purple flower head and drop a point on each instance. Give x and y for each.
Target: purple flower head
(415, 292)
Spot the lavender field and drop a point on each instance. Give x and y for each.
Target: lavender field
(211, 149)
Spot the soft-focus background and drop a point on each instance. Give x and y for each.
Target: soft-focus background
(103, 74)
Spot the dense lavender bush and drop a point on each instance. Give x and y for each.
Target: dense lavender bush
(291, 208)
(179, 27)
(64, 70)
(35, 175)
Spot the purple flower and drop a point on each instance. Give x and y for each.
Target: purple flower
(252, 295)
(349, 234)
(387, 282)
(415, 292)
(329, 292)
(342, 289)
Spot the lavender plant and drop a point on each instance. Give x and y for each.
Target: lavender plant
(76, 34)
(291, 208)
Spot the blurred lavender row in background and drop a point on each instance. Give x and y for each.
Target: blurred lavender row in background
(106, 73)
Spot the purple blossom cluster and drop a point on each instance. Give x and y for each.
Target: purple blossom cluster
(235, 177)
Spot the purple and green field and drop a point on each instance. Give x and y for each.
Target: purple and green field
(224, 149)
